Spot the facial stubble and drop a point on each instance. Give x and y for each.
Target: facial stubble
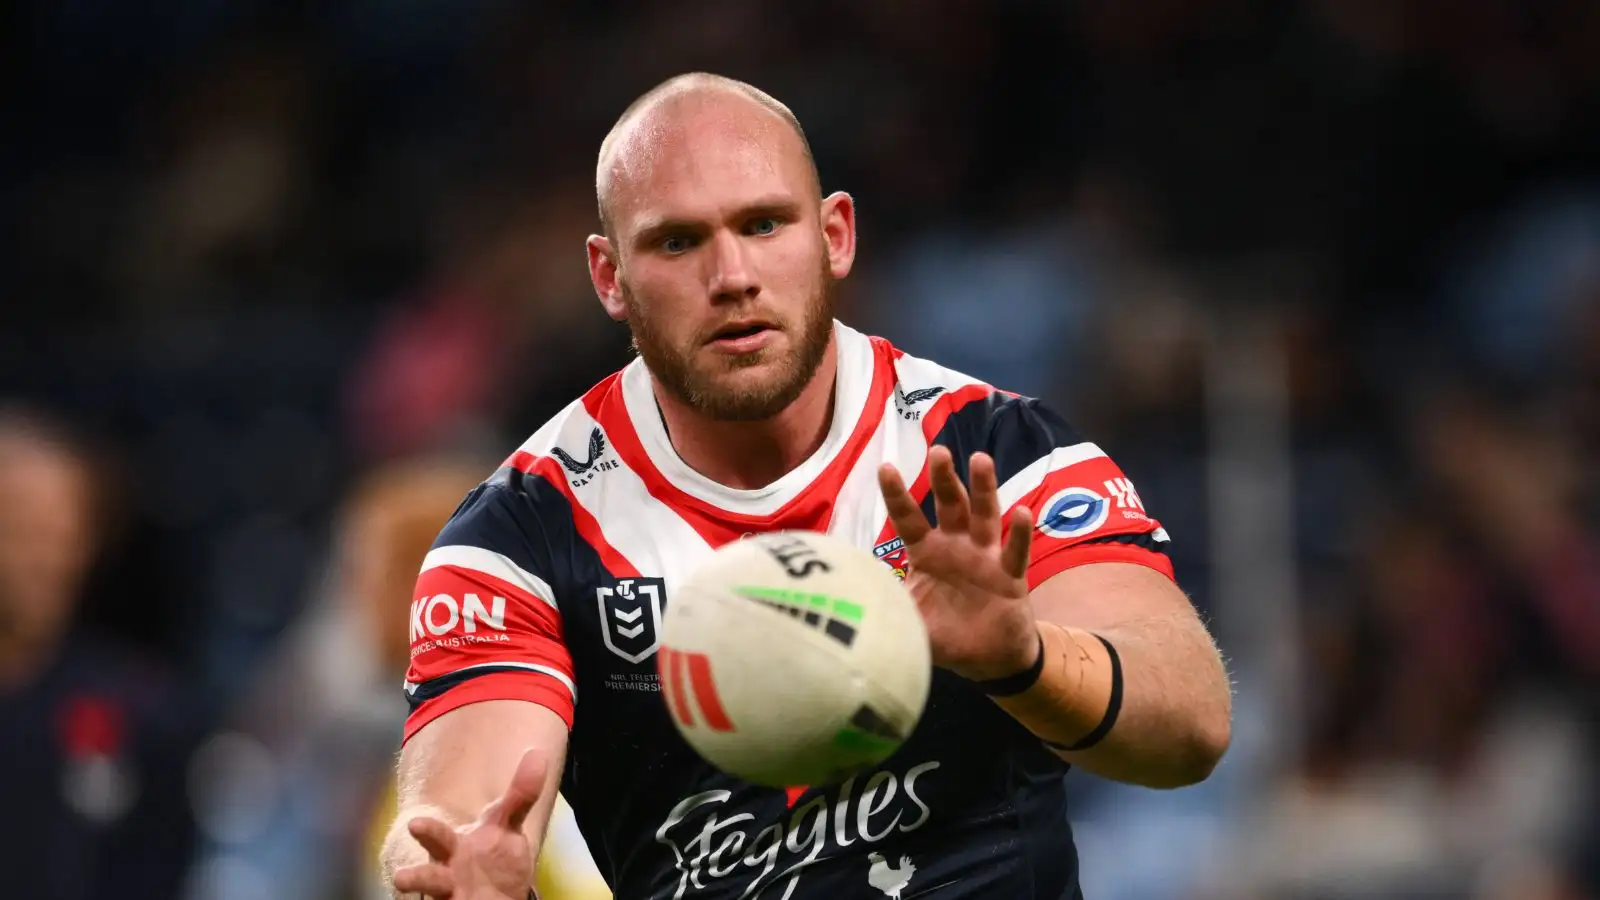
(684, 372)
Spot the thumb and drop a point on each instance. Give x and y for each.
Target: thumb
(526, 787)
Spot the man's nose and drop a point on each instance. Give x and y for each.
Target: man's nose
(732, 277)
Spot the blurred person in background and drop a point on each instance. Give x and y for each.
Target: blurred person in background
(498, 327)
(93, 739)
(1452, 728)
(301, 787)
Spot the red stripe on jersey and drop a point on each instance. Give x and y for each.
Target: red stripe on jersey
(1044, 568)
(588, 528)
(715, 528)
(811, 509)
(705, 691)
(950, 403)
(529, 686)
(608, 408)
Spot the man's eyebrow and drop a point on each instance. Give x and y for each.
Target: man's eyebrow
(769, 206)
(662, 225)
(765, 206)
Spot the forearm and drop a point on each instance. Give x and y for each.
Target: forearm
(458, 768)
(1173, 722)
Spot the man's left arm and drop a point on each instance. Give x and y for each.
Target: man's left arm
(1169, 723)
(1046, 582)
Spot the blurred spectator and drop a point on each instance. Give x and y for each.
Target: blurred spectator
(290, 795)
(96, 739)
(509, 320)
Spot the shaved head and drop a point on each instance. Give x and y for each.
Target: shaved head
(719, 250)
(654, 122)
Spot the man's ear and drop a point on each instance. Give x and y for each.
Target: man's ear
(603, 274)
(839, 232)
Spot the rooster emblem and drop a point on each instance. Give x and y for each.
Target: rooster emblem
(597, 446)
(890, 880)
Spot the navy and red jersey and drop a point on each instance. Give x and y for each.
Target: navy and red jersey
(548, 585)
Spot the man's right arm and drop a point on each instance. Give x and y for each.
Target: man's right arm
(460, 762)
(490, 675)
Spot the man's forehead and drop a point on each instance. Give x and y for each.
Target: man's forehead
(691, 139)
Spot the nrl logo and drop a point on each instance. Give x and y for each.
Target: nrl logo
(630, 617)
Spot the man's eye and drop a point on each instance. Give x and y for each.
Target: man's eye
(675, 244)
(764, 226)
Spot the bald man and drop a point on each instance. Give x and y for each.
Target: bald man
(1059, 636)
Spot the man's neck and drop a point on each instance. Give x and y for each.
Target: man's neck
(752, 455)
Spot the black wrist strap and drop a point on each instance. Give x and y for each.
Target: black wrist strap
(1016, 684)
(1113, 706)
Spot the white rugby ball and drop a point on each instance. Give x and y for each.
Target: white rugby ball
(793, 658)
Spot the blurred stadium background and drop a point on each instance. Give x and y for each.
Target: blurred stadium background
(281, 279)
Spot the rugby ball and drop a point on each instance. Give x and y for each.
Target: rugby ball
(793, 658)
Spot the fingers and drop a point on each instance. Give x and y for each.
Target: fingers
(526, 787)
(950, 506)
(431, 880)
(435, 837)
(909, 522)
(1019, 542)
(978, 516)
(985, 528)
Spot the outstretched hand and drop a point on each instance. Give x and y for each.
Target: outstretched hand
(489, 859)
(970, 585)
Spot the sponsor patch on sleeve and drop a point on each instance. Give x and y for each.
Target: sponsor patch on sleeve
(481, 629)
(1089, 511)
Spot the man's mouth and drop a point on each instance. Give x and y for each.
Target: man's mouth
(743, 336)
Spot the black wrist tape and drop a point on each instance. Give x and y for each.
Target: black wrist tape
(1113, 706)
(1016, 684)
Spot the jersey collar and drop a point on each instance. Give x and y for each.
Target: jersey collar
(853, 386)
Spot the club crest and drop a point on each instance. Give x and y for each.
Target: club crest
(893, 554)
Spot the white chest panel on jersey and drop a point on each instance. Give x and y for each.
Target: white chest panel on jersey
(657, 539)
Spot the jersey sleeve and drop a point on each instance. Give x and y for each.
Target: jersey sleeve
(1085, 509)
(485, 623)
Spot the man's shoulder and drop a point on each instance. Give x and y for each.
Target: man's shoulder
(955, 407)
(540, 487)
(562, 452)
(920, 380)
(529, 485)
(572, 439)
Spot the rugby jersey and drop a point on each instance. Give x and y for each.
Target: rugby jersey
(548, 585)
